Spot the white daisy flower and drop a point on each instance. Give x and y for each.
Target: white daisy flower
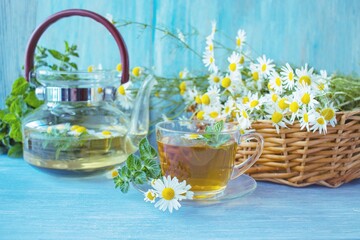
(265, 66)
(228, 107)
(276, 82)
(319, 123)
(171, 192)
(305, 96)
(211, 97)
(113, 173)
(256, 76)
(210, 44)
(322, 82)
(305, 118)
(234, 63)
(243, 119)
(288, 77)
(184, 73)
(213, 112)
(305, 75)
(77, 130)
(214, 79)
(240, 38)
(209, 61)
(104, 134)
(277, 118)
(294, 108)
(232, 83)
(150, 196)
(329, 114)
(283, 103)
(190, 95)
(124, 96)
(255, 102)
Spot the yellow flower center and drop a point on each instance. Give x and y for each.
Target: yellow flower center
(263, 67)
(321, 86)
(211, 47)
(232, 67)
(211, 59)
(119, 67)
(294, 107)
(114, 173)
(216, 79)
(320, 120)
(121, 90)
(90, 68)
(269, 86)
(242, 60)
(182, 92)
(227, 109)
(255, 76)
(226, 82)
(193, 136)
(214, 114)
(306, 117)
(305, 80)
(238, 42)
(305, 99)
(276, 117)
(74, 127)
(198, 99)
(80, 130)
(245, 100)
(181, 74)
(244, 114)
(168, 193)
(291, 76)
(282, 104)
(136, 71)
(200, 115)
(205, 99)
(99, 90)
(254, 103)
(274, 97)
(151, 196)
(106, 133)
(278, 82)
(182, 86)
(328, 113)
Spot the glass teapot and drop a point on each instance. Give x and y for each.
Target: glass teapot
(79, 130)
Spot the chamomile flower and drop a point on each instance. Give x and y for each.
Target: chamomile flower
(240, 39)
(265, 66)
(77, 130)
(329, 115)
(137, 71)
(190, 95)
(255, 102)
(305, 75)
(305, 118)
(124, 96)
(211, 97)
(113, 173)
(305, 96)
(242, 117)
(277, 118)
(214, 79)
(170, 192)
(283, 103)
(150, 196)
(276, 82)
(287, 76)
(104, 134)
(213, 113)
(318, 123)
(232, 83)
(184, 73)
(256, 76)
(228, 107)
(234, 63)
(322, 82)
(209, 61)
(294, 108)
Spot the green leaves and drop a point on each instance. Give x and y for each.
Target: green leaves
(19, 87)
(138, 169)
(213, 135)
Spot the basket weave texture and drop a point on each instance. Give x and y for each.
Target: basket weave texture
(299, 158)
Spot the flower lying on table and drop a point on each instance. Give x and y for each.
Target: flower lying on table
(145, 169)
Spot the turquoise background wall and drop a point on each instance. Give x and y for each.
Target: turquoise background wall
(323, 33)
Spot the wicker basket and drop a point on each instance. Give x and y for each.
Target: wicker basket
(299, 158)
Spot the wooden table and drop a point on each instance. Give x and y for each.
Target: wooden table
(34, 205)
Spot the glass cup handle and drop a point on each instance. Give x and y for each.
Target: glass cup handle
(242, 167)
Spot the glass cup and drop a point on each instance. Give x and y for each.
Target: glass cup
(204, 158)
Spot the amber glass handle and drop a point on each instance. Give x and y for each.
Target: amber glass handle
(242, 167)
(30, 50)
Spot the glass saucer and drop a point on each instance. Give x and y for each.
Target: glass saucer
(237, 188)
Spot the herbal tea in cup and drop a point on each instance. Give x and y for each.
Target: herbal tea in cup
(203, 153)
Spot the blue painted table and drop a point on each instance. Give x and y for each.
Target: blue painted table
(34, 205)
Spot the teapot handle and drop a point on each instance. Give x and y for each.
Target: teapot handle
(30, 50)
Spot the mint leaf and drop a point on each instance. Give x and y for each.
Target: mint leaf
(15, 151)
(218, 127)
(15, 131)
(32, 100)
(152, 167)
(10, 118)
(18, 107)
(139, 177)
(20, 86)
(146, 150)
(133, 162)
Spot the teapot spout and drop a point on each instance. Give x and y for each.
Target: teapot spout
(139, 124)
